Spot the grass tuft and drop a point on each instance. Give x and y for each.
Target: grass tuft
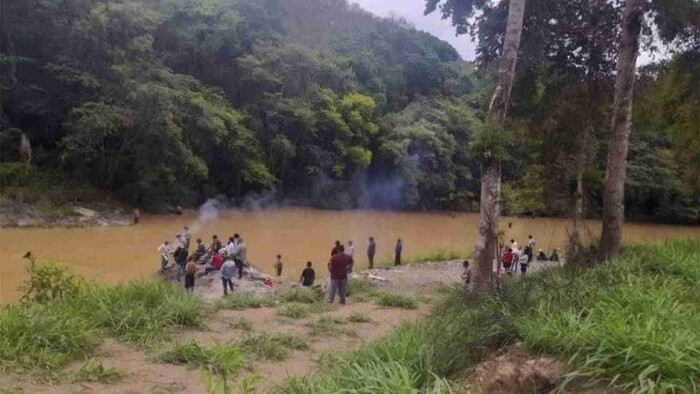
(329, 326)
(359, 318)
(221, 358)
(272, 346)
(243, 324)
(301, 295)
(95, 371)
(294, 310)
(394, 300)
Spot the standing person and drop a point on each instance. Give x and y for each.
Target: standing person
(397, 251)
(350, 251)
(186, 236)
(228, 269)
(181, 259)
(524, 260)
(278, 265)
(231, 246)
(308, 275)
(507, 260)
(190, 271)
(136, 216)
(241, 256)
(371, 251)
(338, 267)
(165, 250)
(467, 273)
(530, 249)
(215, 243)
(513, 245)
(334, 251)
(200, 251)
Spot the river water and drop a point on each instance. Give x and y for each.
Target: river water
(116, 254)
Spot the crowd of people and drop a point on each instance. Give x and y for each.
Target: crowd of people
(230, 259)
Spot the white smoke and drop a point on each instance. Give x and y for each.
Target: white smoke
(209, 211)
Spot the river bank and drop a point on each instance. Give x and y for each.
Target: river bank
(625, 326)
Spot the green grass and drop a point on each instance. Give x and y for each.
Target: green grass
(245, 301)
(45, 337)
(631, 323)
(294, 310)
(224, 358)
(95, 371)
(356, 317)
(432, 256)
(301, 295)
(242, 324)
(396, 364)
(394, 300)
(272, 346)
(328, 326)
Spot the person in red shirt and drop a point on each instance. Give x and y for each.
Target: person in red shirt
(507, 259)
(338, 267)
(217, 260)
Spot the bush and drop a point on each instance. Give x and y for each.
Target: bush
(394, 300)
(48, 282)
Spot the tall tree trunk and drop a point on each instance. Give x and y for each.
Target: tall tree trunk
(614, 192)
(486, 243)
(575, 236)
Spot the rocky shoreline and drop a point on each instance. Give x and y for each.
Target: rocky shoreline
(75, 216)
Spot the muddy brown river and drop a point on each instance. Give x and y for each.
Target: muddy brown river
(117, 254)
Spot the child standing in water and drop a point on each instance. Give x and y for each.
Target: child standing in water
(398, 249)
(278, 265)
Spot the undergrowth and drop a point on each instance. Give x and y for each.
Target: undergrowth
(272, 346)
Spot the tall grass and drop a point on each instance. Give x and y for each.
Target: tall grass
(45, 337)
(633, 320)
(396, 364)
(431, 256)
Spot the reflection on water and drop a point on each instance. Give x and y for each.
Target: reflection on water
(298, 234)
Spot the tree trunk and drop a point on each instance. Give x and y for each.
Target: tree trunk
(486, 243)
(614, 189)
(575, 237)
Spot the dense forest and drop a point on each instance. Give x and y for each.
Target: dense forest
(167, 102)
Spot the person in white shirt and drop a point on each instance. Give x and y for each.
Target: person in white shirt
(350, 251)
(165, 251)
(186, 236)
(523, 259)
(513, 245)
(241, 256)
(227, 271)
(231, 247)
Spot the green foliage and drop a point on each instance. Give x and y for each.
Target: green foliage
(43, 338)
(221, 359)
(301, 295)
(294, 310)
(95, 371)
(245, 301)
(243, 324)
(48, 282)
(329, 326)
(359, 318)
(394, 300)
(141, 312)
(393, 365)
(272, 346)
(630, 320)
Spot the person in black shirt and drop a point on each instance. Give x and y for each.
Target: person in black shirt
(308, 275)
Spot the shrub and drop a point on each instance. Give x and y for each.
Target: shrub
(272, 346)
(394, 300)
(294, 310)
(48, 282)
